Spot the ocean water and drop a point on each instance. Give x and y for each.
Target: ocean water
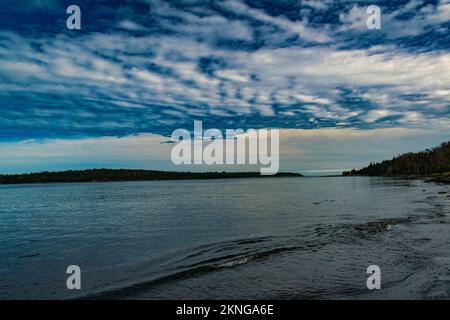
(271, 238)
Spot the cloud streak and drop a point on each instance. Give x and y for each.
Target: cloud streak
(149, 67)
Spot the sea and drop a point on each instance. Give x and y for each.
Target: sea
(255, 238)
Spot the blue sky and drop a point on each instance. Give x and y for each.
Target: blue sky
(139, 69)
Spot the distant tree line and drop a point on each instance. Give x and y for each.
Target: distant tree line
(101, 175)
(428, 162)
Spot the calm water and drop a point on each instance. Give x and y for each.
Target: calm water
(276, 238)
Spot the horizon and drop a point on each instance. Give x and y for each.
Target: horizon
(304, 172)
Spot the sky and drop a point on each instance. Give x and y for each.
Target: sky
(111, 94)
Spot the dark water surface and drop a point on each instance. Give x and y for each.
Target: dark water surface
(278, 238)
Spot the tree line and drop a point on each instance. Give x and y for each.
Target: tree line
(102, 175)
(427, 162)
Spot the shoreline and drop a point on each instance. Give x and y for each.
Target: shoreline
(128, 175)
(443, 178)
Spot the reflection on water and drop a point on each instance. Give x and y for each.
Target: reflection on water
(244, 238)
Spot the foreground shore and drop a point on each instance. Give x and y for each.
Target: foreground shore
(443, 178)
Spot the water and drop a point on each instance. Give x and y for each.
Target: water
(279, 238)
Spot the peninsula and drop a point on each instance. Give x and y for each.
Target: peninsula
(104, 175)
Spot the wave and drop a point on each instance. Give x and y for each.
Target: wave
(235, 253)
(199, 268)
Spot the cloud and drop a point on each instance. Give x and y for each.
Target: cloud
(158, 66)
(347, 148)
(298, 27)
(132, 26)
(329, 148)
(141, 151)
(316, 4)
(411, 19)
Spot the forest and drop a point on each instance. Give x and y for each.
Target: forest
(103, 175)
(424, 163)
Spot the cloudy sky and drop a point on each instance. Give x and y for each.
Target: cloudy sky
(110, 94)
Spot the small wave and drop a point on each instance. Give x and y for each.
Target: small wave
(349, 232)
(255, 256)
(233, 263)
(194, 270)
(32, 255)
(225, 245)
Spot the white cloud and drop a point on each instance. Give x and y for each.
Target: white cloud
(244, 82)
(298, 27)
(316, 4)
(394, 27)
(232, 75)
(131, 25)
(209, 26)
(375, 115)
